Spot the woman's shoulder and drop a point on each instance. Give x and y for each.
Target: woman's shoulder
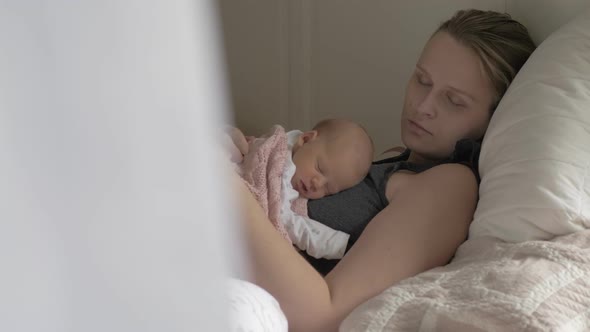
(444, 185)
(446, 191)
(446, 176)
(449, 182)
(459, 171)
(466, 153)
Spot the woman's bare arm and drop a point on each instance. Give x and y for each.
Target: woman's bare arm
(420, 229)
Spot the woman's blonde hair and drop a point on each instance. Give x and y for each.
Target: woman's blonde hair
(502, 44)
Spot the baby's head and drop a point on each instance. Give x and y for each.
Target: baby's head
(334, 156)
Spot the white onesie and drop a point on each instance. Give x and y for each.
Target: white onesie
(319, 240)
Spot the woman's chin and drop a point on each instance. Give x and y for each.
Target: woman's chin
(412, 143)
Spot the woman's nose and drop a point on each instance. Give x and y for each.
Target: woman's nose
(427, 106)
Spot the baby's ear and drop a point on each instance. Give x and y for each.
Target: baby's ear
(308, 136)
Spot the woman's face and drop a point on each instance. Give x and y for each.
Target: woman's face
(448, 98)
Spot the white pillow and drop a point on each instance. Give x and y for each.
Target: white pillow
(535, 156)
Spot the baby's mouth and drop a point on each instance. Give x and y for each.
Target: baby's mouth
(302, 186)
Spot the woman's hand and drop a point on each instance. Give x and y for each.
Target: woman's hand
(235, 144)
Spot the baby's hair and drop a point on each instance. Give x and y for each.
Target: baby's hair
(327, 126)
(330, 129)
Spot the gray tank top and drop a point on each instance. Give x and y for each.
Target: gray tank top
(351, 210)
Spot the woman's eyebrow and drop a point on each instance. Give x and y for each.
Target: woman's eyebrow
(418, 66)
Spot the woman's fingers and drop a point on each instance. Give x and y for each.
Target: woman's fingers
(239, 139)
(234, 153)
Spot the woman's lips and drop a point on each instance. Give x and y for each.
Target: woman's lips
(417, 127)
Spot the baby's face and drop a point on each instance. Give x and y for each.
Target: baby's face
(324, 168)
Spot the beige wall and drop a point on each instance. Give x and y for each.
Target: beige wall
(257, 61)
(545, 16)
(295, 62)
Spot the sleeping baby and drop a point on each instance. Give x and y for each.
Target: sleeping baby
(334, 156)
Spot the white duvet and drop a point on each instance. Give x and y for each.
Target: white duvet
(490, 286)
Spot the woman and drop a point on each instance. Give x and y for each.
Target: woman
(417, 208)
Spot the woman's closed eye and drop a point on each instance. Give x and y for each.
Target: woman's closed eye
(422, 80)
(455, 100)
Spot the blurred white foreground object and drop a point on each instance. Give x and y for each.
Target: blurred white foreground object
(112, 207)
(252, 308)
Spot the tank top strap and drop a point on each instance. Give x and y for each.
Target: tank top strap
(466, 152)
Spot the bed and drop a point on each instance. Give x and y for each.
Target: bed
(526, 264)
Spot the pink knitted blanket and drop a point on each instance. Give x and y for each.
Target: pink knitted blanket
(262, 169)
